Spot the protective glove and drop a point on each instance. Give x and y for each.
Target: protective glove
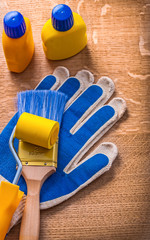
(85, 121)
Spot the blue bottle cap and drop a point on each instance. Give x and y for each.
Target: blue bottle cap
(14, 24)
(62, 18)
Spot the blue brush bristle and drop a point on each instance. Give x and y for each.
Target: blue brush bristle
(45, 103)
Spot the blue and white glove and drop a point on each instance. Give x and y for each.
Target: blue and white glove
(85, 120)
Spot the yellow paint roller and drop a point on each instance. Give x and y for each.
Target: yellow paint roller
(37, 130)
(38, 143)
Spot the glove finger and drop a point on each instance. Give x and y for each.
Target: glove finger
(94, 165)
(53, 81)
(108, 88)
(75, 85)
(91, 130)
(61, 73)
(116, 108)
(62, 187)
(47, 83)
(70, 87)
(85, 76)
(94, 95)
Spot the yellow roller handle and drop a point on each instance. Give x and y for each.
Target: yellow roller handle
(37, 130)
(10, 197)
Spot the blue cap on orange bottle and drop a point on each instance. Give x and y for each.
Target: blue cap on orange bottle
(62, 17)
(14, 24)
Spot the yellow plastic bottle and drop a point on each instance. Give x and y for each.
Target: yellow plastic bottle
(64, 35)
(17, 41)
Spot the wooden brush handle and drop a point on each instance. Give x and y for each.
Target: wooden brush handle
(34, 176)
(30, 226)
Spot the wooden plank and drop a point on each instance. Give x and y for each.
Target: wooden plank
(117, 205)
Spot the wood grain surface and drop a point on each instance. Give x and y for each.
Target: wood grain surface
(117, 205)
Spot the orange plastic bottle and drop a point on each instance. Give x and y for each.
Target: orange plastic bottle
(17, 41)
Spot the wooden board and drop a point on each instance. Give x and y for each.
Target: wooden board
(117, 205)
